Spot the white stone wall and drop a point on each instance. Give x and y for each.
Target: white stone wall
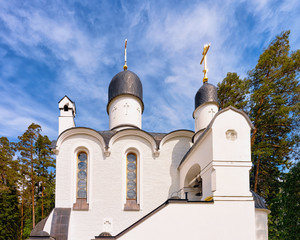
(223, 220)
(231, 155)
(261, 223)
(201, 155)
(158, 179)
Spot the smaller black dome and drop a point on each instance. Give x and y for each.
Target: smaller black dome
(125, 83)
(207, 93)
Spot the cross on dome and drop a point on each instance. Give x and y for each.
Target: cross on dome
(125, 53)
(205, 70)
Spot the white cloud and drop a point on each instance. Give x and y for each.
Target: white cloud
(165, 43)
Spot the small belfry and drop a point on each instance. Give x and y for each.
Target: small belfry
(125, 55)
(205, 70)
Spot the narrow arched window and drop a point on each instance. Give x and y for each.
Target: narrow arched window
(131, 182)
(81, 182)
(82, 175)
(66, 108)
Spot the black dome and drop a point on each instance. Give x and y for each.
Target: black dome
(125, 83)
(207, 93)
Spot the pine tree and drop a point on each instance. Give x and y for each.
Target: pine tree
(45, 176)
(29, 160)
(9, 213)
(274, 111)
(233, 91)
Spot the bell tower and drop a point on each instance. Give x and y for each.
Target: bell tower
(67, 112)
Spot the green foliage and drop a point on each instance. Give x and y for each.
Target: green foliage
(26, 183)
(274, 105)
(46, 178)
(9, 212)
(285, 217)
(233, 91)
(8, 166)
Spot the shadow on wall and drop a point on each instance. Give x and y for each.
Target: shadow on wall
(179, 150)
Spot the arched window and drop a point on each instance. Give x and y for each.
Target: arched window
(81, 181)
(66, 108)
(131, 182)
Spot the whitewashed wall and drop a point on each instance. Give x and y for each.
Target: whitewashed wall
(261, 223)
(224, 220)
(158, 178)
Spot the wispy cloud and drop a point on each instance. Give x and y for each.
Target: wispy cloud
(49, 49)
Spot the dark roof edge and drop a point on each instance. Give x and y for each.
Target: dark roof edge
(107, 139)
(124, 125)
(163, 205)
(135, 129)
(259, 201)
(179, 130)
(75, 128)
(67, 98)
(210, 125)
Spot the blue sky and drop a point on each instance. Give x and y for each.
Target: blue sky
(49, 49)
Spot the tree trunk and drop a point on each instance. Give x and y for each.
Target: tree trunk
(32, 185)
(256, 175)
(22, 218)
(42, 200)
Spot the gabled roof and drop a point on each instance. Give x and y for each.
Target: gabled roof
(65, 97)
(210, 125)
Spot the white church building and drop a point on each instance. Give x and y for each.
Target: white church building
(128, 184)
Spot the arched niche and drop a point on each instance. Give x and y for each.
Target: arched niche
(193, 183)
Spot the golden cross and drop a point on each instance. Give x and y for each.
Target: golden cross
(205, 70)
(125, 65)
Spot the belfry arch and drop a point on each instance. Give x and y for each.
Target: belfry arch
(193, 183)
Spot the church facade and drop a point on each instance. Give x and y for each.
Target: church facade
(128, 184)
